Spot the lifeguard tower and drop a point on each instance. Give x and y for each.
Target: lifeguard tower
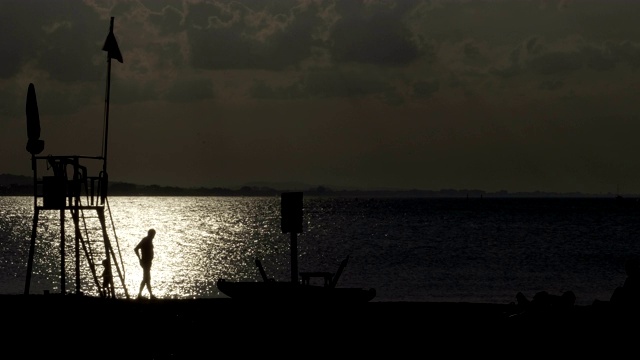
(75, 188)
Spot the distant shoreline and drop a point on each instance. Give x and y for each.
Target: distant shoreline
(121, 189)
(17, 185)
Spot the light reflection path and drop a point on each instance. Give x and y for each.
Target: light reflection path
(198, 240)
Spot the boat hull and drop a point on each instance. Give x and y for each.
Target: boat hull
(292, 292)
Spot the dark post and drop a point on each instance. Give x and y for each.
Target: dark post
(294, 258)
(106, 107)
(63, 279)
(32, 249)
(75, 213)
(291, 222)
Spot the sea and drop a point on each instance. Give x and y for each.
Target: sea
(481, 250)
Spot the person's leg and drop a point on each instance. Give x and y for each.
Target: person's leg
(145, 280)
(148, 277)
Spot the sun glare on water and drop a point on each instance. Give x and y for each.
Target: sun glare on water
(198, 240)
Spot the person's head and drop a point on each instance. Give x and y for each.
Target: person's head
(151, 233)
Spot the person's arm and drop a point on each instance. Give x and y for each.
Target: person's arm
(137, 251)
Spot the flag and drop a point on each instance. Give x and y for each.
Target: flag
(111, 47)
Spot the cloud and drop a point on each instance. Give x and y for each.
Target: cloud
(424, 89)
(372, 35)
(188, 90)
(627, 51)
(335, 82)
(423, 93)
(238, 36)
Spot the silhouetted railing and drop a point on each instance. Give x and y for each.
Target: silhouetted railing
(63, 182)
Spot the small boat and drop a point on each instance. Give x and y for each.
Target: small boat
(298, 292)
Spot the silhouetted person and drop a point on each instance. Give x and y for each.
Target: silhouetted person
(144, 252)
(629, 293)
(107, 283)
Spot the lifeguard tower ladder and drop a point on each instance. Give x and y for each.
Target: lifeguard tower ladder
(63, 184)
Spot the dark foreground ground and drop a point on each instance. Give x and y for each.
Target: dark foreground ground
(85, 327)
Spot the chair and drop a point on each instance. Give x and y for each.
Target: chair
(330, 279)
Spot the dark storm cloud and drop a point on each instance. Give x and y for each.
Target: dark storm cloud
(513, 65)
(168, 55)
(11, 28)
(604, 20)
(551, 38)
(58, 41)
(258, 35)
(627, 51)
(551, 85)
(474, 56)
(167, 19)
(58, 36)
(372, 34)
(598, 59)
(425, 89)
(545, 62)
(556, 62)
(241, 36)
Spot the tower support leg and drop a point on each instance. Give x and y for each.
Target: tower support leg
(32, 248)
(63, 278)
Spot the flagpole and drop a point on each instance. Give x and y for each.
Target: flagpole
(106, 109)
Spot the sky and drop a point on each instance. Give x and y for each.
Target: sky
(377, 94)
